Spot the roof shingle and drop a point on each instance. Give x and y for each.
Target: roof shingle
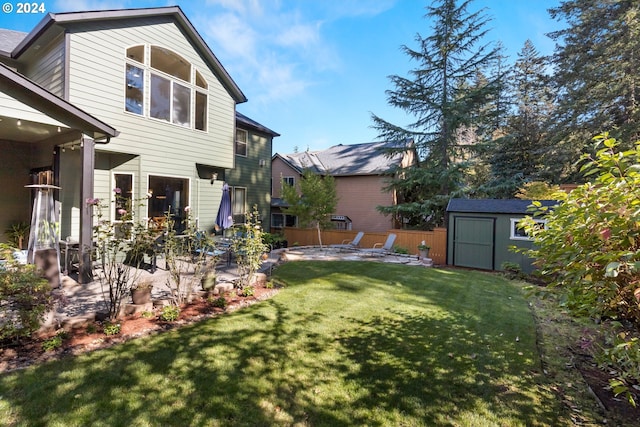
(372, 158)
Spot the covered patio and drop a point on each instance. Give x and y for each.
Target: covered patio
(35, 127)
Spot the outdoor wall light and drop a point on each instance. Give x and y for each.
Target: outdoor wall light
(214, 176)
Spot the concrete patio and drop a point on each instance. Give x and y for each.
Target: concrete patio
(77, 304)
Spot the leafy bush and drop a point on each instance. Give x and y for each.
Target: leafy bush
(512, 270)
(274, 241)
(110, 328)
(170, 313)
(247, 291)
(624, 357)
(220, 302)
(248, 246)
(55, 341)
(25, 299)
(146, 314)
(591, 249)
(591, 244)
(400, 250)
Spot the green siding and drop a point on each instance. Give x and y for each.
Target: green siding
(255, 178)
(466, 245)
(47, 67)
(96, 84)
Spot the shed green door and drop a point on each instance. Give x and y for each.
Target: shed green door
(473, 242)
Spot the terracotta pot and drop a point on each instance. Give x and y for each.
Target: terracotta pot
(141, 296)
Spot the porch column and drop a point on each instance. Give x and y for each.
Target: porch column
(85, 273)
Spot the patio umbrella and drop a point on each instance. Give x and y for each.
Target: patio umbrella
(224, 218)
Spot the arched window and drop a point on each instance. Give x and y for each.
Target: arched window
(178, 93)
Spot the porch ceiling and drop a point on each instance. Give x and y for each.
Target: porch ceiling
(29, 131)
(49, 108)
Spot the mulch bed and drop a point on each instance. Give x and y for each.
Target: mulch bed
(89, 338)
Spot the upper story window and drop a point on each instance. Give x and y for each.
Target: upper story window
(178, 93)
(241, 142)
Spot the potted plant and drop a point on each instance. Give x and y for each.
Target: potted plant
(141, 292)
(423, 249)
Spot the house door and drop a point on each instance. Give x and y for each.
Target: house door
(473, 242)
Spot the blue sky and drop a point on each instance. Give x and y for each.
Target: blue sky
(315, 70)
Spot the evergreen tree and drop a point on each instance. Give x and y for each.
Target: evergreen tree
(515, 156)
(597, 59)
(440, 94)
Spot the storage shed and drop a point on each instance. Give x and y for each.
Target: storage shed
(480, 232)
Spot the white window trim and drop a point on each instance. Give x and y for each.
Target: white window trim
(112, 202)
(514, 224)
(189, 199)
(233, 203)
(246, 143)
(146, 96)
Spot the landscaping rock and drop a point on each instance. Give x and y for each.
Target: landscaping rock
(137, 308)
(222, 288)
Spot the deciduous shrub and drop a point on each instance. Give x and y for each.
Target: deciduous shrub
(591, 244)
(55, 341)
(170, 313)
(591, 250)
(25, 298)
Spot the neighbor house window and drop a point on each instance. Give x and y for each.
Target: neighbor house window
(178, 93)
(519, 233)
(279, 220)
(241, 142)
(288, 180)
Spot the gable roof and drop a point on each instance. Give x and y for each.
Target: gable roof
(29, 93)
(372, 158)
(174, 12)
(500, 206)
(247, 123)
(9, 39)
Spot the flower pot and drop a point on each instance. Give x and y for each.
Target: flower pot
(424, 253)
(141, 296)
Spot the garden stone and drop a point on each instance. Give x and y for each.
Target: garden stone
(222, 288)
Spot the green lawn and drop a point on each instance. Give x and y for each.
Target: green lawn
(344, 343)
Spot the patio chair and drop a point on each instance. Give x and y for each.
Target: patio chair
(349, 244)
(379, 248)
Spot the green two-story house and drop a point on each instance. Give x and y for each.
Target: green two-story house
(166, 102)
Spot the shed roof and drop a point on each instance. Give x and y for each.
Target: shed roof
(372, 158)
(504, 206)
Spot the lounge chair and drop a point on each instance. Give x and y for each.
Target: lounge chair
(349, 244)
(379, 248)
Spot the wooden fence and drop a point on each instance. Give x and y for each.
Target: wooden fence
(408, 239)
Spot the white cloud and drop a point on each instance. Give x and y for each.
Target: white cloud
(302, 35)
(231, 34)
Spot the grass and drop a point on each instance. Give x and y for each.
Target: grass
(345, 343)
